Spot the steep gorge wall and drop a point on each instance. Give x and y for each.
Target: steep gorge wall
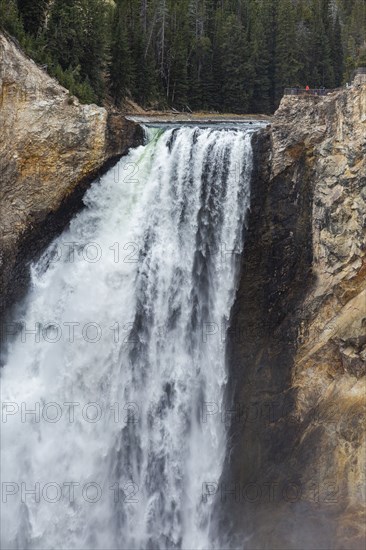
(295, 469)
(51, 147)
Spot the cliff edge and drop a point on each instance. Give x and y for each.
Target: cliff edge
(295, 469)
(50, 147)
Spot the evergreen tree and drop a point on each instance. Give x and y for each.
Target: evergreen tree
(76, 39)
(33, 13)
(234, 51)
(287, 65)
(10, 19)
(337, 52)
(321, 71)
(121, 65)
(64, 33)
(260, 26)
(93, 44)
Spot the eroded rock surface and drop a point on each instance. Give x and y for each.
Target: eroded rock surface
(50, 147)
(297, 342)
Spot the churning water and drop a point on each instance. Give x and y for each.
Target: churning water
(121, 356)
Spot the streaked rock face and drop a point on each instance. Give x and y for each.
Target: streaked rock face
(330, 363)
(297, 345)
(50, 145)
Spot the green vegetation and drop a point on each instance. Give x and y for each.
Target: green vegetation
(223, 55)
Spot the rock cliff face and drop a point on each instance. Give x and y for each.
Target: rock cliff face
(295, 470)
(50, 148)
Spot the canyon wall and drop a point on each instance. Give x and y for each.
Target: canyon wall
(51, 147)
(295, 468)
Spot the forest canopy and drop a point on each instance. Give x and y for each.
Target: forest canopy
(221, 55)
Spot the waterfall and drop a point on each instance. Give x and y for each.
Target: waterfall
(113, 387)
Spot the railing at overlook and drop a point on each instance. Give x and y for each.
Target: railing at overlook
(310, 92)
(296, 90)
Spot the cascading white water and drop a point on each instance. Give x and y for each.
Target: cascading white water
(121, 351)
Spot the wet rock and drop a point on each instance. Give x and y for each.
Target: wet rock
(301, 309)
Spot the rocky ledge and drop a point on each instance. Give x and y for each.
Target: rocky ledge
(51, 147)
(295, 470)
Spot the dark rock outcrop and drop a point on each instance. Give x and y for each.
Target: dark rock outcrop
(51, 148)
(295, 469)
